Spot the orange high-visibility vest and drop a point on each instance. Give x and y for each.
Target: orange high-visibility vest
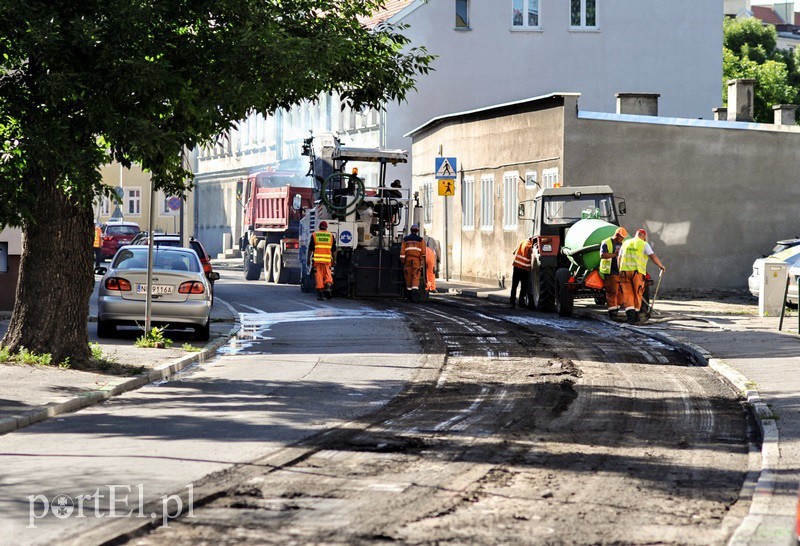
(98, 233)
(522, 256)
(323, 242)
(412, 249)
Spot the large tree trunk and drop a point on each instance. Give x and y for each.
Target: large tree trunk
(56, 280)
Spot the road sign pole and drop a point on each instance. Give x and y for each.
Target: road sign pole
(446, 238)
(148, 302)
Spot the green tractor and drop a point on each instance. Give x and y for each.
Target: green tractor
(564, 253)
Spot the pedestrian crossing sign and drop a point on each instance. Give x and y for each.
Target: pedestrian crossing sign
(447, 186)
(446, 167)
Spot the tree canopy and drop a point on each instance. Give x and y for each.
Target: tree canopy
(750, 51)
(139, 81)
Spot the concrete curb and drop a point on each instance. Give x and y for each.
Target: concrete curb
(763, 490)
(89, 398)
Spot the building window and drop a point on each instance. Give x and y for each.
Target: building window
(427, 203)
(525, 14)
(462, 13)
(134, 201)
(530, 180)
(510, 200)
(468, 203)
(550, 178)
(583, 14)
(487, 202)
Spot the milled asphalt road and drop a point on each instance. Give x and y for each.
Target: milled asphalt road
(269, 388)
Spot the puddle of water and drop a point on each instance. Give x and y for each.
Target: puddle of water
(255, 325)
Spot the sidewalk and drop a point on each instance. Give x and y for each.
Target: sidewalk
(33, 393)
(722, 329)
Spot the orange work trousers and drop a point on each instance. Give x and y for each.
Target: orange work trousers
(613, 294)
(323, 274)
(430, 270)
(632, 285)
(413, 272)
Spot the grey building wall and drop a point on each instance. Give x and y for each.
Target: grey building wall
(516, 139)
(714, 196)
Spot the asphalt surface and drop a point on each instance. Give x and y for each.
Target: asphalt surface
(301, 366)
(524, 428)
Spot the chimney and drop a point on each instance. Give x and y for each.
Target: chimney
(740, 99)
(638, 104)
(784, 114)
(721, 114)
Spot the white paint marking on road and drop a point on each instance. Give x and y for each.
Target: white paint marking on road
(463, 414)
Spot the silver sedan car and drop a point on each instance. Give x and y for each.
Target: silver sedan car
(181, 293)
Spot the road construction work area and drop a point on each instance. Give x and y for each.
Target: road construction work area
(345, 421)
(516, 427)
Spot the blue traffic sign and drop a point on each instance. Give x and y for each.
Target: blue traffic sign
(346, 237)
(446, 167)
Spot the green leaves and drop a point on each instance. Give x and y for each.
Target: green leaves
(138, 82)
(750, 52)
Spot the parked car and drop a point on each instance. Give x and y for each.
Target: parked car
(789, 253)
(181, 292)
(786, 243)
(166, 239)
(117, 235)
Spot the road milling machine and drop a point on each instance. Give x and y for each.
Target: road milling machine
(369, 223)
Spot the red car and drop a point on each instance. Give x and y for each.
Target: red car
(117, 234)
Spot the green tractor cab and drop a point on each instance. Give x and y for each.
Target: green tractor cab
(569, 223)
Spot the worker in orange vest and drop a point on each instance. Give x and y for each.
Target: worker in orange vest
(609, 267)
(322, 251)
(97, 245)
(411, 253)
(522, 272)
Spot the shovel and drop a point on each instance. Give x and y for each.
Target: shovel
(652, 302)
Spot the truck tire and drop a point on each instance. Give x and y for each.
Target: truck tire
(252, 271)
(280, 273)
(565, 300)
(268, 252)
(543, 286)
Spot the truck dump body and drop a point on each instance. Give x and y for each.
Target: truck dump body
(272, 209)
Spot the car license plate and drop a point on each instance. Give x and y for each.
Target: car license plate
(157, 289)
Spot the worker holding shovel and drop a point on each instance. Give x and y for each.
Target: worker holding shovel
(633, 257)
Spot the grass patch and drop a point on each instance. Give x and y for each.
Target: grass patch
(189, 348)
(154, 339)
(32, 359)
(98, 363)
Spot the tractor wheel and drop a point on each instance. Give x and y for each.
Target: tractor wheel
(268, 253)
(252, 271)
(543, 287)
(565, 300)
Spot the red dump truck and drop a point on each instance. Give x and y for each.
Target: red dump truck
(273, 202)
